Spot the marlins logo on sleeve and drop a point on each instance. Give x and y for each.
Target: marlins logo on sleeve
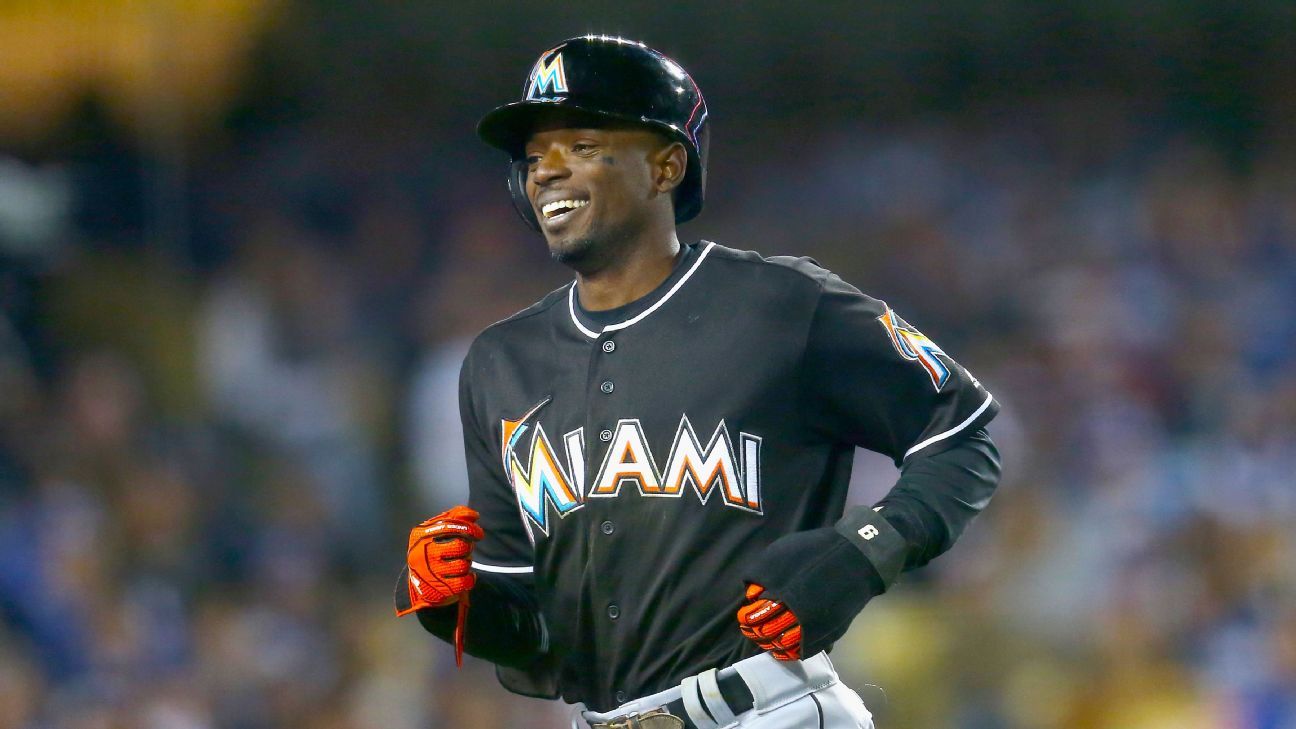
(915, 346)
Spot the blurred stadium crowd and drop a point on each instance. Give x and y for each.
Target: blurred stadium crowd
(210, 453)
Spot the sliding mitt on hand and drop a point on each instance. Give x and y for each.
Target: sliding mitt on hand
(439, 566)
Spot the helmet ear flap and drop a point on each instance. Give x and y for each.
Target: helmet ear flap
(517, 191)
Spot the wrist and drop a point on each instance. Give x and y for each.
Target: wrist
(821, 576)
(884, 547)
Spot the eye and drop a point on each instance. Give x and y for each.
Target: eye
(583, 148)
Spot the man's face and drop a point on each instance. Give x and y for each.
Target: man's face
(592, 188)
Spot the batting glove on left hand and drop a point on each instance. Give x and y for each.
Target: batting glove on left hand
(770, 625)
(818, 576)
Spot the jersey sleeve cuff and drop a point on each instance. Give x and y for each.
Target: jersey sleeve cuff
(979, 417)
(525, 569)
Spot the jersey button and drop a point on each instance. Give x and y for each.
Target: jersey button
(605, 435)
(607, 527)
(614, 612)
(606, 386)
(621, 697)
(609, 346)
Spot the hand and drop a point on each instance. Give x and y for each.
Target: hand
(439, 558)
(770, 624)
(818, 575)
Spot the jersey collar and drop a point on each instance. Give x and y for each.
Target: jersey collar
(593, 331)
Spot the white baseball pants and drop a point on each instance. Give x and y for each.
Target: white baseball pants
(787, 695)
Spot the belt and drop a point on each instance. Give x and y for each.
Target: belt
(674, 714)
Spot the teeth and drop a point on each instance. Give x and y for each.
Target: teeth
(550, 210)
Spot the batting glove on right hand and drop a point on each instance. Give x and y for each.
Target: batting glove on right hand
(440, 559)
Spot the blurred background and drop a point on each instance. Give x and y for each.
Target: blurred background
(244, 245)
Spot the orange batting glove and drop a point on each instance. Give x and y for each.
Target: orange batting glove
(770, 625)
(440, 559)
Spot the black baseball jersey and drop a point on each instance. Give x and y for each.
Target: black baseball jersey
(630, 464)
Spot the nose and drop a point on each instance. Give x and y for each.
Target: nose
(551, 166)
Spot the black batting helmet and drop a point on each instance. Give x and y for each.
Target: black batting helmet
(614, 78)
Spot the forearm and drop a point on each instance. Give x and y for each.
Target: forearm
(504, 625)
(937, 496)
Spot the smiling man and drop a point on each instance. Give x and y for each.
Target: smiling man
(659, 452)
(635, 169)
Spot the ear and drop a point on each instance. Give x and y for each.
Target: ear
(670, 162)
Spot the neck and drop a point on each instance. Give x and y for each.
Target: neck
(631, 276)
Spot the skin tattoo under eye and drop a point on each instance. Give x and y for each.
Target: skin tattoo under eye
(609, 161)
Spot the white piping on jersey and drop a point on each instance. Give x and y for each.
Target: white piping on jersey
(526, 569)
(571, 301)
(942, 436)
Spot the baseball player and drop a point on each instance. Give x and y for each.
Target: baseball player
(659, 452)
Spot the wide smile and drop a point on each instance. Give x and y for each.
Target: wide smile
(558, 212)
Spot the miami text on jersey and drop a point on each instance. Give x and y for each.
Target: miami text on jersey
(539, 477)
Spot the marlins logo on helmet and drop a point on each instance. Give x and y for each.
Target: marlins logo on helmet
(549, 77)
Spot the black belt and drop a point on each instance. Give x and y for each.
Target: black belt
(733, 689)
